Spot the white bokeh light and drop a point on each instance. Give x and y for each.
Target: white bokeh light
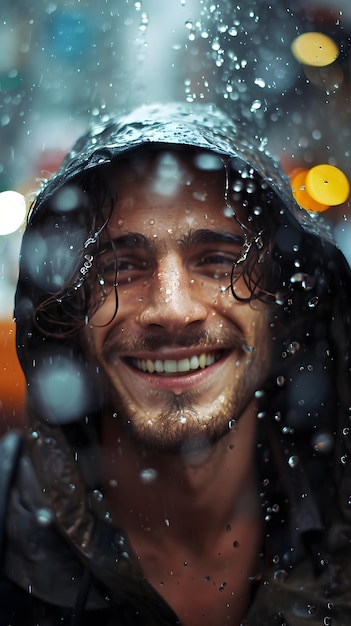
(12, 211)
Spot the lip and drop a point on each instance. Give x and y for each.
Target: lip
(177, 381)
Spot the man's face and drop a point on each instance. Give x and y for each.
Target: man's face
(182, 358)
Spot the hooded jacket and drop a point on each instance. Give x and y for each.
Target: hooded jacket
(64, 559)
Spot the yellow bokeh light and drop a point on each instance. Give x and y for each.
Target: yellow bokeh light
(12, 211)
(302, 197)
(315, 49)
(327, 184)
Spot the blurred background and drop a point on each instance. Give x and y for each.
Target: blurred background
(64, 63)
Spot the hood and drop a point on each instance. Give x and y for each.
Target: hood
(201, 126)
(54, 249)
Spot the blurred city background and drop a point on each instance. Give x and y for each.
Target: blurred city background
(64, 63)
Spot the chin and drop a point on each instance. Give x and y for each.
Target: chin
(181, 422)
(178, 432)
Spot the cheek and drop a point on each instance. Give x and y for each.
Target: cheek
(93, 338)
(262, 337)
(88, 342)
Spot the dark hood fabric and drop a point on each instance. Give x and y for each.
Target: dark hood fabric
(193, 125)
(59, 524)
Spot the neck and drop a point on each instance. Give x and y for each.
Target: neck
(169, 495)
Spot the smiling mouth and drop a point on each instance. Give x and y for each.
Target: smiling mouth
(169, 367)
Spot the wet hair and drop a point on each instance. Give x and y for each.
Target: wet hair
(280, 263)
(63, 312)
(301, 277)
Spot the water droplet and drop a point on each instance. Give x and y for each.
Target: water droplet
(313, 302)
(280, 575)
(280, 298)
(311, 609)
(298, 277)
(260, 82)
(238, 185)
(280, 381)
(228, 211)
(308, 283)
(256, 105)
(293, 461)
(98, 495)
(322, 442)
(293, 347)
(260, 393)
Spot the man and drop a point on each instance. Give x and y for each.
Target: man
(184, 331)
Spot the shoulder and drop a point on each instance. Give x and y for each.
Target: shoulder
(19, 608)
(10, 449)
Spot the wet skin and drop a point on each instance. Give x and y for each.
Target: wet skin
(182, 357)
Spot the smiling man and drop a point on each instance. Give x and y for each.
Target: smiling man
(177, 355)
(184, 330)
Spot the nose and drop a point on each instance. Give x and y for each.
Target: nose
(174, 299)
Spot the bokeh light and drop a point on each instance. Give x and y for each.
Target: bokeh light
(12, 211)
(301, 195)
(315, 49)
(327, 184)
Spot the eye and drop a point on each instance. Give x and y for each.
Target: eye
(123, 269)
(217, 263)
(217, 258)
(107, 267)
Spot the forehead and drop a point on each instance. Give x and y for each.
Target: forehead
(167, 172)
(169, 185)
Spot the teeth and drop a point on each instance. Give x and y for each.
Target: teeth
(172, 366)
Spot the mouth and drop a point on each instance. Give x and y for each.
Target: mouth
(171, 367)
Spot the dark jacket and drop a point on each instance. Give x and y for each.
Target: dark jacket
(64, 560)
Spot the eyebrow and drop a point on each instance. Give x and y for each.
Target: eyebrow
(203, 236)
(131, 241)
(206, 235)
